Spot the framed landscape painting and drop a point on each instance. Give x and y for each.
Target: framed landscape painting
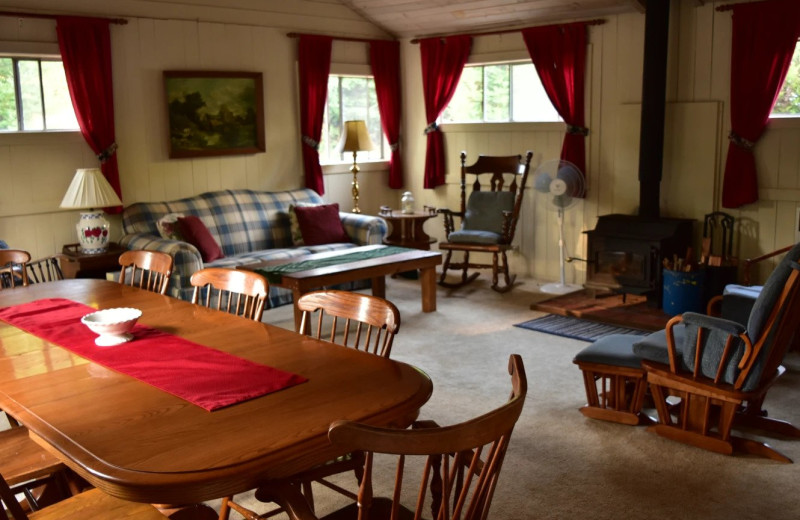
(214, 113)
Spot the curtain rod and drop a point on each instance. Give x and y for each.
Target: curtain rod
(118, 21)
(340, 38)
(729, 7)
(597, 21)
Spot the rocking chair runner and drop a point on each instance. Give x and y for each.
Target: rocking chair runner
(488, 218)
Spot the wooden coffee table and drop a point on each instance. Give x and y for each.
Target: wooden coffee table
(301, 282)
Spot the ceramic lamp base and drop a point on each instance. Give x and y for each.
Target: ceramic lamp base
(93, 232)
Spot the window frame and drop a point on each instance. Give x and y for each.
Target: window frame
(16, 58)
(364, 165)
(510, 62)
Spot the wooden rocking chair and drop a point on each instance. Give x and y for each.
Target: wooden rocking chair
(488, 218)
(722, 370)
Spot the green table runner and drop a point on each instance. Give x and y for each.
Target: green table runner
(275, 272)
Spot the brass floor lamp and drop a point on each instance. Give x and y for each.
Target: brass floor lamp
(355, 138)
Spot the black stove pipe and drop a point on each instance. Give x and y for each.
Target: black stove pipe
(654, 88)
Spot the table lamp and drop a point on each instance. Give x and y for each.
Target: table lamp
(355, 138)
(90, 191)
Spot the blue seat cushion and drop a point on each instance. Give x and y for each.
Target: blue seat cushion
(485, 209)
(474, 237)
(615, 350)
(653, 347)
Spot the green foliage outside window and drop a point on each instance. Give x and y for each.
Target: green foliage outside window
(788, 103)
(497, 93)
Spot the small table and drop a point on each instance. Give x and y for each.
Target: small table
(407, 230)
(80, 265)
(301, 282)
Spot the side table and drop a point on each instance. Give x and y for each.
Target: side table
(407, 229)
(76, 264)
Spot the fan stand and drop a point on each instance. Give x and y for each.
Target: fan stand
(560, 287)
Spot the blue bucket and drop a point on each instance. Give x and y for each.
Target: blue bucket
(683, 291)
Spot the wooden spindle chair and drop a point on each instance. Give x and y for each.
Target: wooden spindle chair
(354, 320)
(148, 270)
(92, 504)
(47, 269)
(13, 268)
(460, 465)
(235, 291)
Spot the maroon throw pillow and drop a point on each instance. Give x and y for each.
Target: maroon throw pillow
(196, 233)
(321, 224)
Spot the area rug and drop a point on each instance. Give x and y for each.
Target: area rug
(576, 328)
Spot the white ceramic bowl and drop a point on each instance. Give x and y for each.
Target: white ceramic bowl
(115, 323)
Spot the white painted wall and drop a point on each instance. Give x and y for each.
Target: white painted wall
(35, 169)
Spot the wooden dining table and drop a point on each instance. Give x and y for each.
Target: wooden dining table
(140, 443)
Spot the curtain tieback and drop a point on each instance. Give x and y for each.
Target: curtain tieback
(311, 142)
(577, 130)
(108, 152)
(431, 128)
(740, 141)
(394, 146)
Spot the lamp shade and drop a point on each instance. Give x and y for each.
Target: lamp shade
(89, 189)
(355, 137)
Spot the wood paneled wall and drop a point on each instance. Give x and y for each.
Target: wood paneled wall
(37, 168)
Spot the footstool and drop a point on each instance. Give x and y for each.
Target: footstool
(614, 379)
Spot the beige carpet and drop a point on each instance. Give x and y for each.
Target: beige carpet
(561, 465)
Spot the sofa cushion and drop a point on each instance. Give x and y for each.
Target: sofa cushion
(321, 224)
(196, 233)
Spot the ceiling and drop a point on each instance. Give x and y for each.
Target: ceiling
(414, 18)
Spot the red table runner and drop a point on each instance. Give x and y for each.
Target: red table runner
(201, 375)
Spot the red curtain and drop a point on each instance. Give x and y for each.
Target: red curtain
(764, 38)
(443, 61)
(85, 45)
(314, 58)
(385, 59)
(559, 54)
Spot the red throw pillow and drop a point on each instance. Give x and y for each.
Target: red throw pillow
(321, 224)
(196, 233)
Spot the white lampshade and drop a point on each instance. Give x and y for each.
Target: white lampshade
(88, 190)
(355, 137)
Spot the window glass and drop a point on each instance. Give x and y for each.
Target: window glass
(351, 98)
(788, 103)
(8, 101)
(498, 93)
(34, 96)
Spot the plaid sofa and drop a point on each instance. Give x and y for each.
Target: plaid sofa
(249, 226)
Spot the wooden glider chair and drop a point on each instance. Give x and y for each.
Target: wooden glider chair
(13, 268)
(488, 218)
(235, 291)
(92, 504)
(148, 270)
(353, 320)
(460, 464)
(715, 371)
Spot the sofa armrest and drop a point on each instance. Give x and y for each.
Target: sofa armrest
(363, 229)
(186, 258)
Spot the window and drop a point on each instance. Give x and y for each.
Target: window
(500, 92)
(788, 103)
(349, 98)
(34, 96)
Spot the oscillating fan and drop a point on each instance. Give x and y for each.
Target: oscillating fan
(560, 184)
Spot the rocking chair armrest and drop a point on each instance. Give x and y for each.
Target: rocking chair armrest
(449, 224)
